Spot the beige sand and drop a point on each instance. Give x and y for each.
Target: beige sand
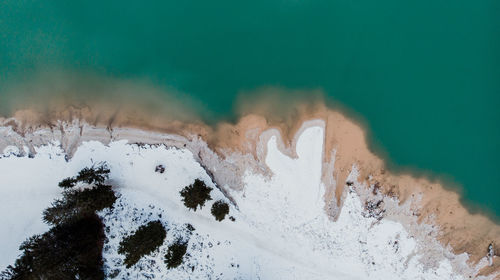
(345, 143)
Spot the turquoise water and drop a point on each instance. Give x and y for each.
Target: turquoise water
(424, 76)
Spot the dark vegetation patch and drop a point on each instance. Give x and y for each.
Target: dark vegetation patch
(190, 227)
(175, 254)
(76, 204)
(142, 242)
(219, 210)
(93, 174)
(67, 251)
(96, 174)
(72, 248)
(67, 183)
(196, 194)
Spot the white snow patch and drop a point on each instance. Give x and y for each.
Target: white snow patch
(281, 230)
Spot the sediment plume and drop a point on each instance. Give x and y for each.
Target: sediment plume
(427, 203)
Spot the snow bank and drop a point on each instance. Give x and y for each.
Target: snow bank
(281, 230)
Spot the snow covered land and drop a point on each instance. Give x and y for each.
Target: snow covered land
(280, 229)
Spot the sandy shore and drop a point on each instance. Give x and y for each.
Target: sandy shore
(425, 208)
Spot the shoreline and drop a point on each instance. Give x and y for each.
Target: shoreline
(235, 147)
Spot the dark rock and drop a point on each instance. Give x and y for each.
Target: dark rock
(160, 168)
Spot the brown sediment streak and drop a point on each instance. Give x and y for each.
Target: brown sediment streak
(345, 146)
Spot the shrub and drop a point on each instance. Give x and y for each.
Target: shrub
(196, 194)
(219, 210)
(142, 242)
(175, 254)
(67, 251)
(76, 204)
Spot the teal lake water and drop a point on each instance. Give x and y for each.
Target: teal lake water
(424, 76)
